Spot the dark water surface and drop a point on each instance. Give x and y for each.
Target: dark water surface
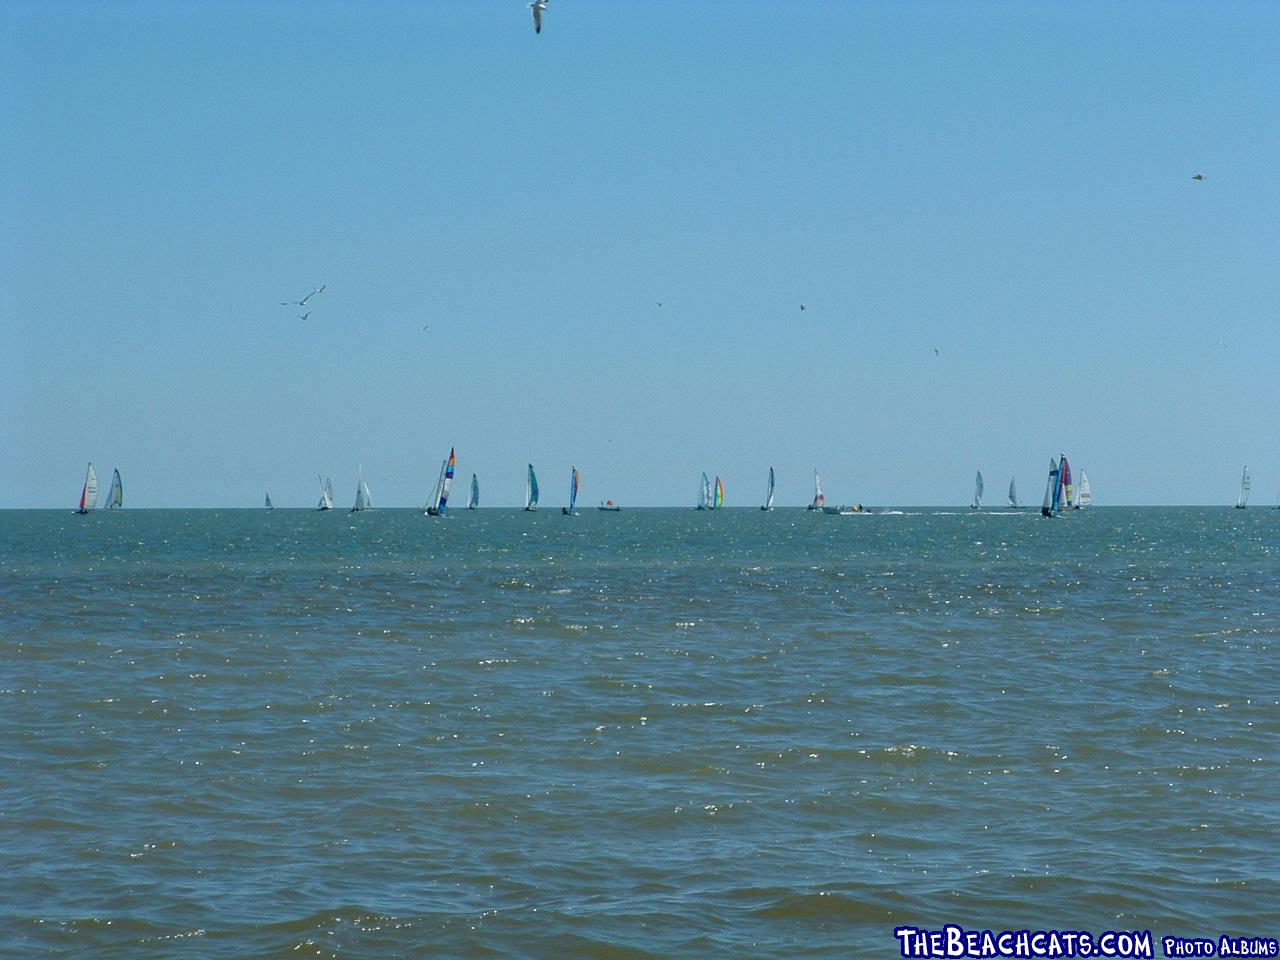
(658, 733)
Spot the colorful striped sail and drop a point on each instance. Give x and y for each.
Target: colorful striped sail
(1068, 488)
(450, 465)
(818, 498)
(718, 500)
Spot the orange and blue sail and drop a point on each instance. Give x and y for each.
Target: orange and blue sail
(449, 467)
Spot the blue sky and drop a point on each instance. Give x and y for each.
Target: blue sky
(1007, 183)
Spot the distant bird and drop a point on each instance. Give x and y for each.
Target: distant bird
(659, 303)
(1220, 343)
(303, 301)
(538, 7)
(425, 325)
(303, 316)
(802, 306)
(1199, 176)
(936, 353)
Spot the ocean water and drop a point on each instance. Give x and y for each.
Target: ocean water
(656, 733)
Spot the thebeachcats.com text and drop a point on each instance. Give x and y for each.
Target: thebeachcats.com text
(954, 942)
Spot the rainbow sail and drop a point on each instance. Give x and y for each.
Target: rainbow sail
(718, 500)
(450, 465)
(1067, 491)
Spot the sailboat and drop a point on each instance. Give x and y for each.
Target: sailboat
(474, 500)
(768, 500)
(115, 499)
(704, 493)
(1050, 490)
(89, 495)
(717, 500)
(326, 495)
(268, 503)
(977, 492)
(575, 479)
(1066, 490)
(363, 500)
(608, 506)
(818, 498)
(1243, 499)
(440, 496)
(1084, 495)
(1013, 495)
(531, 490)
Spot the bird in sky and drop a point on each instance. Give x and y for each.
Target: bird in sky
(1199, 176)
(425, 325)
(303, 316)
(538, 7)
(303, 301)
(936, 353)
(802, 306)
(1220, 343)
(659, 303)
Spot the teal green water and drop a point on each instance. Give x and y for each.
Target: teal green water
(657, 733)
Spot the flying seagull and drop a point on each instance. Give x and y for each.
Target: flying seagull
(303, 301)
(303, 316)
(936, 353)
(802, 306)
(538, 6)
(1199, 176)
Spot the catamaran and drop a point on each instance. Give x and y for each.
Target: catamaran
(1050, 490)
(363, 500)
(474, 500)
(768, 500)
(1084, 493)
(608, 506)
(440, 496)
(575, 479)
(717, 500)
(326, 495)
(115, 499)
(1066, 489)
(89, 495)
(704, 493)
(531, 490)
(1013, 495)
(818, 498)
(268, 503)
(1243, 499)
(977, 492)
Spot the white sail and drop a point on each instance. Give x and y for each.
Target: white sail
(326, 495)
(1084, 492)
(474, 500)
(1242, 500)
(977, 491)
(89, 494)
(704, 493)
(268, 503)
(363, 500)
(818, 498)
(115, 499)
(768, 500)
(1013, 494)
(433, 504)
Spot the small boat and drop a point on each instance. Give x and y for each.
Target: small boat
(575, 479)
(115, 499)
(474, 500)
(363, 500)
(1084, 494)
(1066, 489)
(89, 494)
(818, 498)
(717, 499)
(1050, 490)
(768, 500)
(439, 501)
(843, 510)
(531, 490)
(1013, 495)
(608, 506)
(268, 503)
(977, 492)
(704, 493)
(326, 495)
(1242, 500)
